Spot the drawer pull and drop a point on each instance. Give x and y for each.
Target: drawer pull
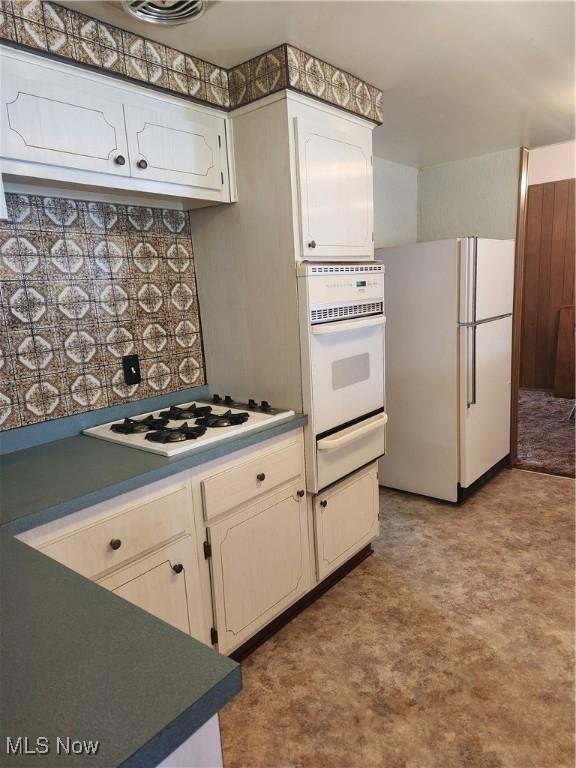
(300, 494)
(116, 543)
(178, 568)
(312, 244)
(323, 503)
(261, 477)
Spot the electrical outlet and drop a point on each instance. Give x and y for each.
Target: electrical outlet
(131, 366)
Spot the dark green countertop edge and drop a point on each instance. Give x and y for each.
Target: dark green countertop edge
(18, 514)
(76, 658)
(79, 661)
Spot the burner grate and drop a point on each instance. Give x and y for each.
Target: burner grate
(177, 413)
(176, 434)
(227, 419)
(136, 426)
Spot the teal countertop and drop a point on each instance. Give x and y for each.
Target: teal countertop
(41, 484)
(76, 660)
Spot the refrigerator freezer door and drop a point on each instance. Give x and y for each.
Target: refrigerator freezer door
(487, 278)
(422, 369)
(485, 374)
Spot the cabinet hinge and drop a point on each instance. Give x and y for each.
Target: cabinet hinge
(221, 177)
(219, 141)
(213, 635)
(207, 550)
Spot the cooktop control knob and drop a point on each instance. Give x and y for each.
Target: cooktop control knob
(265, 405)
(216, 399)
(252, 403)
(228, 400)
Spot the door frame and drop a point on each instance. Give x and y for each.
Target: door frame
(519, 269)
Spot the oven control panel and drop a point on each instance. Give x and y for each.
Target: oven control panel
(345, 289)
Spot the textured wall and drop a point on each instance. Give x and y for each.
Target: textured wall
(475, 196)
(552, 162)
(81, 285)
(395, 203)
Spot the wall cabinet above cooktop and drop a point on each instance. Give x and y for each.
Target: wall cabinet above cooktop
(63, 124)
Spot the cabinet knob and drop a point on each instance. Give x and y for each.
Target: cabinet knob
(323, 503)
(120, 160)
(116, 543)
(300, 494)
(261, 477)
(142, 164)
(178, 568)
(312, 244)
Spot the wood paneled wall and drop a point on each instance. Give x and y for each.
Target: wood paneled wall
(548, 277)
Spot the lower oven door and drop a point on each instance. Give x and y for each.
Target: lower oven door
(341, 452)
(347, 370)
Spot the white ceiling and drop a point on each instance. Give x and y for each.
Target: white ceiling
(459, 78)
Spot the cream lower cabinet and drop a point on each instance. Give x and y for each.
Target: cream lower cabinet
(164, 584)
(345, 519)
(142, 546)
(259, 564)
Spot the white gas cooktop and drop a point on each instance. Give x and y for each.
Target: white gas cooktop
(189, 426)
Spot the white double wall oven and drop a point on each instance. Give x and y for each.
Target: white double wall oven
(342, 332)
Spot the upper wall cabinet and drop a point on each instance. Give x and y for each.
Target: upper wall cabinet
(61, 123)
(334, 168)
(175, 144)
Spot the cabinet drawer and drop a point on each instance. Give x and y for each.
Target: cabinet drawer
(89, 551)
(238, 485)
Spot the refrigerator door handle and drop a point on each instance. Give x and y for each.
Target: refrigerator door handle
(471, 372)
(474, 277)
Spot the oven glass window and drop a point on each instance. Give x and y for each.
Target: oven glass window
(350, 370)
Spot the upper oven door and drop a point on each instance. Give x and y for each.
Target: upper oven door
(347, 370)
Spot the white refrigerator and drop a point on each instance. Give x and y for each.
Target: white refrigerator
(448, 363)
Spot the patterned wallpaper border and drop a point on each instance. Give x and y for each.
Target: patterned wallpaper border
(81, 285)
(53, 30)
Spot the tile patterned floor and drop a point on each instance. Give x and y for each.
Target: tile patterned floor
(451, 647)
(545, 434)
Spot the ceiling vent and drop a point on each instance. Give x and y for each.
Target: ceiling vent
(169, 12)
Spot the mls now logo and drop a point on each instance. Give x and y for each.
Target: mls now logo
(24, 745)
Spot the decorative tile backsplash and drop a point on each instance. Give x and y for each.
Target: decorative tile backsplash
(289, 67)
(50, 29)
(81, 285)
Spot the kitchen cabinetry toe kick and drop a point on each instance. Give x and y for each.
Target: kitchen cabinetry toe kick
(286, 617)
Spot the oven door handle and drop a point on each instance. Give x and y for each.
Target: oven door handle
(335, 442)
(348, 325)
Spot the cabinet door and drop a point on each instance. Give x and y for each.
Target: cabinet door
(336, 193)
(166, 584)
(346, 519)
(259, 565)
(61, 119)
(176, 144)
